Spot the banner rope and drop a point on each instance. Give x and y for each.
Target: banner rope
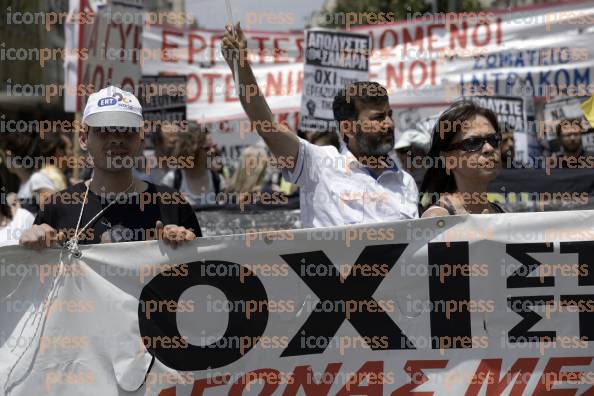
(72, 246)
(42, 314)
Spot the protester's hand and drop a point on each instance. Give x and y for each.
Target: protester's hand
(234, 44)
(174, 235)
(40, 237)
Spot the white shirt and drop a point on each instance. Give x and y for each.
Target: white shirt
(336, 189)
(21, 222)
(207, 197)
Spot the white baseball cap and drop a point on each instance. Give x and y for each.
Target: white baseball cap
(415, 138)
(113, 107)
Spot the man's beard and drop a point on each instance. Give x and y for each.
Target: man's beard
(377, 147)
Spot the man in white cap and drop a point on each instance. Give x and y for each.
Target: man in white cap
(411, 147)
(113, 206)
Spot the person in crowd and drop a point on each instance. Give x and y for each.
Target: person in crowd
(412, 145)
(112, 206)
(358, 184)
(218, 164)
(569, 134)
(12, 182)
(165, 140)
(24, 159)
(250, 175)
(466, 156)
(14, 220)
(56, 149)
(508, 151)
(199, 183)
(325, 138)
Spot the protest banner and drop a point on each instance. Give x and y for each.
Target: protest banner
(560, 109)
(109, 43)
(211, 93)
(511, 114)
(509, 110)
(163, 97)
(449, 306)
(564, 109)
(332, 61)
(163, 100)
(422, 62)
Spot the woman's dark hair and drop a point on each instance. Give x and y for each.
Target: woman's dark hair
(436, 180)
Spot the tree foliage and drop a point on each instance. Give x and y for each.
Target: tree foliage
(399, 9)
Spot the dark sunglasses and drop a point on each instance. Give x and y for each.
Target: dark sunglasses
(476, 143)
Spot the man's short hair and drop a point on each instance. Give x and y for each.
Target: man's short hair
(344, 105)
(568, 121)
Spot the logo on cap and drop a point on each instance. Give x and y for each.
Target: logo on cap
(107, 102)
(121, 98)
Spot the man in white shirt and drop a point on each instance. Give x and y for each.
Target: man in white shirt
(359, 184)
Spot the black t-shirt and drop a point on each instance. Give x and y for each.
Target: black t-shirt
(131, 218)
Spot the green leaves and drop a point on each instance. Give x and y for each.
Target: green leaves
(392, 10)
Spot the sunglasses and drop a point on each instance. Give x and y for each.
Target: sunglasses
(473, 144)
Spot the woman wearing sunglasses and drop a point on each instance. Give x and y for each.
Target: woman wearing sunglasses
(465, 155)
(199, 183)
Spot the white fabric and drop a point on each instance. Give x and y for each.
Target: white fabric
(335, 189)
(21, 222)
(83, 335)
(36, 182)
(414, 138)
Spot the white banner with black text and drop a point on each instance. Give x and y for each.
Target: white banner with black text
(462, 305)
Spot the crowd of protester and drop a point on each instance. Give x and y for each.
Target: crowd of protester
(359, 173)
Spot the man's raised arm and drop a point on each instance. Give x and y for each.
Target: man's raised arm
(278, 137)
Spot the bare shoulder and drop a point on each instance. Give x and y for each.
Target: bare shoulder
(435, 211)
